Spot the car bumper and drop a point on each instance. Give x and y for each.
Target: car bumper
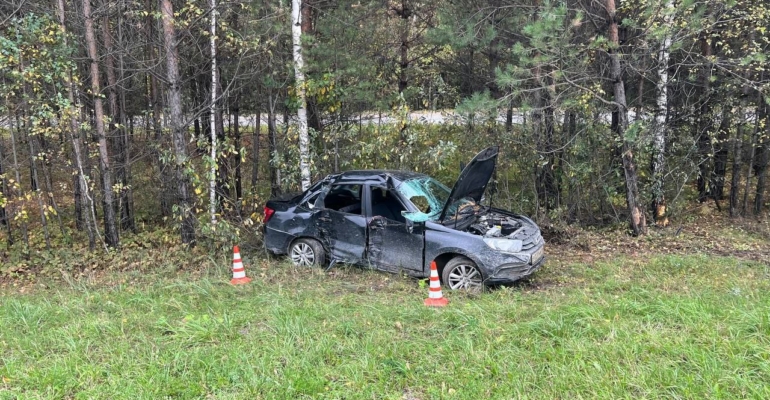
(277, 241)
(513, 272)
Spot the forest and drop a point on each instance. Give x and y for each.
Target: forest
(184, 116)
(141, 141)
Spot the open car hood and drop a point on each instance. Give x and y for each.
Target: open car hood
(473, 179)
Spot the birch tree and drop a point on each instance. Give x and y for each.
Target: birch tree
(661, 113)
(213, 114)
(299, 81)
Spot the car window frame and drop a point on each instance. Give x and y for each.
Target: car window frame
(393, 191)
(328, 188)
(317, 189)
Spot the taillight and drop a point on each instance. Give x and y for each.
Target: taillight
(268, 213)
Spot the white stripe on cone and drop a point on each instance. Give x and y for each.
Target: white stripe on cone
(435, 299)
(238, 270)
(434, 284)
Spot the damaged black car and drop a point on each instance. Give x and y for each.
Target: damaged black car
(401, 221)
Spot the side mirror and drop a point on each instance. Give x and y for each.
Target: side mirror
(409, 226)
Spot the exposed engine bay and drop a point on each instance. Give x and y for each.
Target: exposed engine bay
(480, 220)
(493, 224)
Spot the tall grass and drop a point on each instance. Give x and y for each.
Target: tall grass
(674, 327)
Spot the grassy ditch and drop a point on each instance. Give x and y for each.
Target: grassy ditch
(669, 326)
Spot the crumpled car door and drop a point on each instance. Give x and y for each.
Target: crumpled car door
(392, 247)
(343, 234)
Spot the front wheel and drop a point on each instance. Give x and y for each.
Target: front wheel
(307, 252)
(461, 273)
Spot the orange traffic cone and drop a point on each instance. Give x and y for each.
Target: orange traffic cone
(239, 273)
(435, 299)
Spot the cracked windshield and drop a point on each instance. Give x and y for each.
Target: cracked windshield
(428, 195)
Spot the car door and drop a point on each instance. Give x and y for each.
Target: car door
(392, 246)
(341, 223)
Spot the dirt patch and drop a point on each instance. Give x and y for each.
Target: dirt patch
(711, 234)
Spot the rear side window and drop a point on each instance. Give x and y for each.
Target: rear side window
(344, 198)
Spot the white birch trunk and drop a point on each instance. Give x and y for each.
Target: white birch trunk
(299, 78)
(212, 116)
(661, 110)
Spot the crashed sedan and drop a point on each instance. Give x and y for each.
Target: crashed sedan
(399, 221)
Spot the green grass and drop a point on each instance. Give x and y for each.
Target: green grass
(673, 326)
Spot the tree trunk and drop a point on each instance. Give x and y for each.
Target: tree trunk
(128, 222)
(752, 152)
(763, 156)
(572, 189)
(110, 226)
(703, 133)
(20, 190)
(127, 192)
(660, 125)
(255, 150)
(636, 214)
(736, 169)
(403, 78)
(46, 167)
(237, 155)
(223, 169)
(720, 156)
(154, 103)
(212, 114)
(544, 121)
(206, 123)
(195, 97)
(313, 113)
(403, 65)
(299, 81)
(275, 169)
(112, 81)
(177, 123)
(117, 128)
(5, 215)
(43, 212)
(81, 145)
(509, 117)
(307, 16)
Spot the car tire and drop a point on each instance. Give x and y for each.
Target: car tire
(307, 252)
(461, 273)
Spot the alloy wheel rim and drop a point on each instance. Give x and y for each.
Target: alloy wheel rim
(466, 277)
(302, 255)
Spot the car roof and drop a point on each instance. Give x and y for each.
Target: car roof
(376, 175)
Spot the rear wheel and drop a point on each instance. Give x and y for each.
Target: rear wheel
(307, 252)
(461, 273)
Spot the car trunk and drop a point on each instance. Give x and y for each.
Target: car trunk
(284, 201)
